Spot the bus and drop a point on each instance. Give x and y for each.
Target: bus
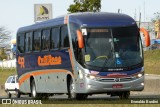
(81, 54)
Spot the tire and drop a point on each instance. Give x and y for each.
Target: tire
(71, 90)
(34, 94)
(30, 95)
(18, 94)
(72, 94)
(124, 95)
(9, 95)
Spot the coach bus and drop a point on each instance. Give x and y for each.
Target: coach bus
(81, 54)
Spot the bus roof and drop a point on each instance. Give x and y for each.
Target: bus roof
(91, 19)
(101, 19)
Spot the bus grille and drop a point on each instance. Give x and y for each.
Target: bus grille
(126, 79)
(116, 79)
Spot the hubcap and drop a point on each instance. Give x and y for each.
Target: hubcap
(72, 89)
(34, 90)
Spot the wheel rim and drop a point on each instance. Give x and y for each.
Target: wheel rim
(34, 90)
(72, 89)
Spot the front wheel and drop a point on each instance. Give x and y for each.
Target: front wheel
(124, 95)
(72, 94)
(71, 90)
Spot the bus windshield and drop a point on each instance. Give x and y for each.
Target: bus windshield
(114, 47)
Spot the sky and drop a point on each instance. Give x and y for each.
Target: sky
(18, 13)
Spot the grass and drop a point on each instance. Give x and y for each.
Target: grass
(87, 105)
(152, 62)
(4, 73)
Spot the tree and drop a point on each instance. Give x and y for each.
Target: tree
(3, 55)
(156, 16)
(4, 37)
(85, 6)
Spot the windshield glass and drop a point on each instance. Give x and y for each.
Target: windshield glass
(127, 46)
(115, 47)
(98, 46)
(9, 79)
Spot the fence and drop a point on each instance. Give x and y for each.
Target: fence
(8, 64)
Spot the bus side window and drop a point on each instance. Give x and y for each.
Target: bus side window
(46, 39)
(55, 38)
(64, 37)
(20, 43)
(28, 42)
(37, 41)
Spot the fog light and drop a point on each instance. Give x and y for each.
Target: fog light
(142, 84)
(89, 86)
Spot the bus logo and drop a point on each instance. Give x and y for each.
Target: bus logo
(21, 61)
(49, 60)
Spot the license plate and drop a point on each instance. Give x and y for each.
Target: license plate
(117, 86)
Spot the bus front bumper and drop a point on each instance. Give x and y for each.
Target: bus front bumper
(93, 86)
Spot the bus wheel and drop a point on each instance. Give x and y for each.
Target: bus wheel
(72, 94)
(30, 95)
(71, 90)
(124, 95)
(33, 90)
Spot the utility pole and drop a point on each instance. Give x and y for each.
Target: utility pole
(144, 11)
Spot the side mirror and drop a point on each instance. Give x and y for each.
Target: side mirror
(146, 35)
(80, 39)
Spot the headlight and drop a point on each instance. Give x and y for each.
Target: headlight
(91, 76)
(139, 75)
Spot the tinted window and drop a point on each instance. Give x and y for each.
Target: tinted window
(20, 43)
(28, 42)
(55, 38)
(46, 39)
(37, 41)
(64, 37)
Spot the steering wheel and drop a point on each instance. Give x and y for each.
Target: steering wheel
(100, 57)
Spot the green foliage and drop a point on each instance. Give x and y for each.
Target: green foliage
(85, 6)
(3, 55)
(156, 17)
(151, 62)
